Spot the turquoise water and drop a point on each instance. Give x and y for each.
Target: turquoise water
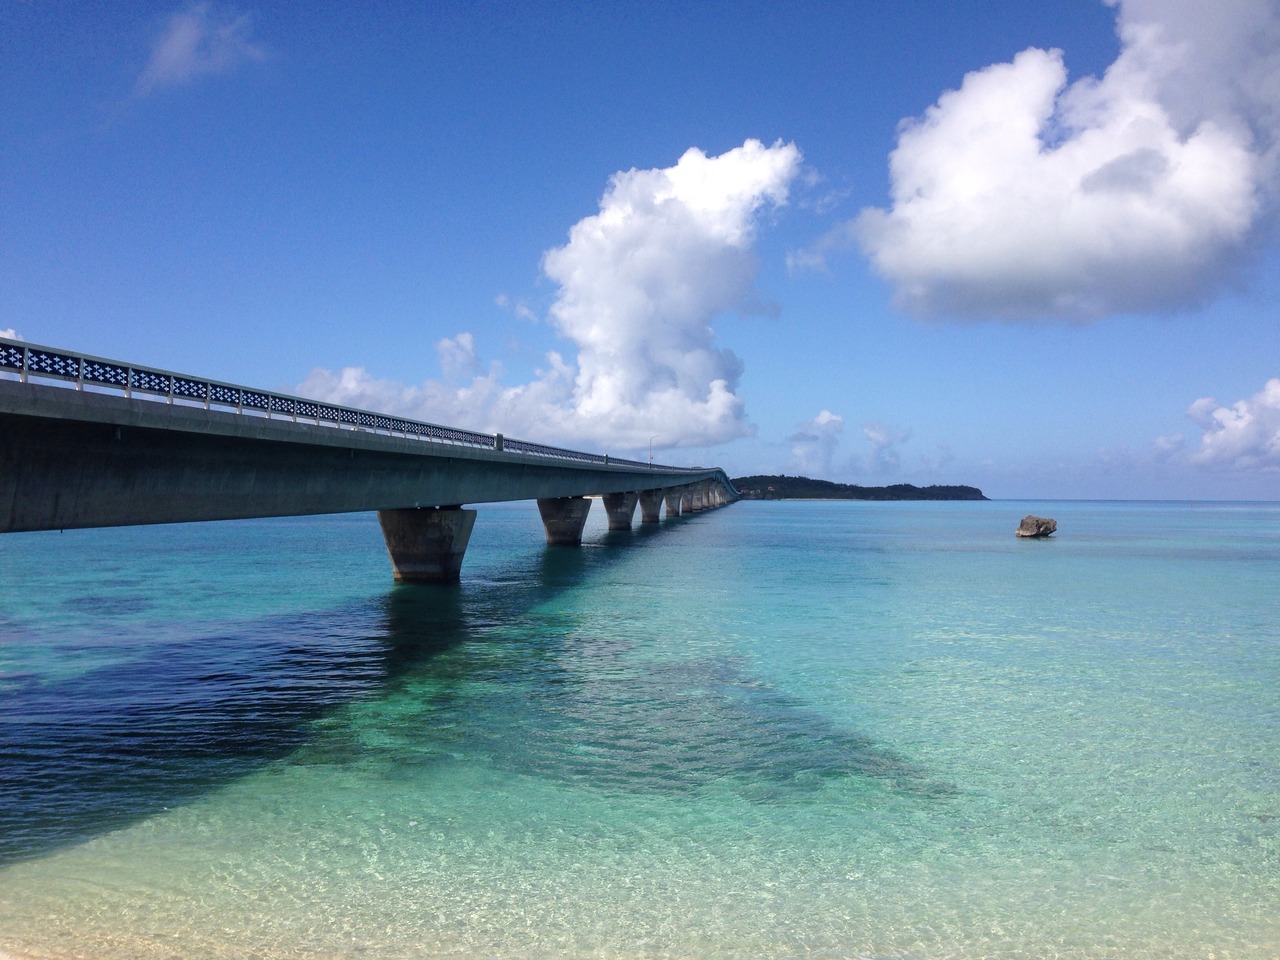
(772, 730)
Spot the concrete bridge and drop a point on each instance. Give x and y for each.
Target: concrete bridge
(91, 442)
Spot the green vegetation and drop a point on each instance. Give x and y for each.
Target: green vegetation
(803, 488)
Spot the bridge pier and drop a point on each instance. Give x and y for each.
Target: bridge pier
(564, 518)
(620, 507)
(650, 506)
(673, 502)
(427, 545)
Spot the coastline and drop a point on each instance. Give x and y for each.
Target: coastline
(783, 487)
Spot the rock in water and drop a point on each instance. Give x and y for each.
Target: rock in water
(1033, 526)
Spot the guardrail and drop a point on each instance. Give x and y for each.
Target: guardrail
(29, 360)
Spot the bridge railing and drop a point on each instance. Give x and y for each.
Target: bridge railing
(29, 360)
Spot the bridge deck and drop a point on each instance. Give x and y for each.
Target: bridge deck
(80, 451)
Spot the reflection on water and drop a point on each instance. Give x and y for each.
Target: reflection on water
(170, 720)
(90, 752)
(463, 672)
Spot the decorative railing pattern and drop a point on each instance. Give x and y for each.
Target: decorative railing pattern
(30, 360)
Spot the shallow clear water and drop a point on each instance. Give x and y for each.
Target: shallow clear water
(772, 730)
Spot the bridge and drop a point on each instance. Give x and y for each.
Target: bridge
(92, 442)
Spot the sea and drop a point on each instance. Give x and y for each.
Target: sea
(773, 730)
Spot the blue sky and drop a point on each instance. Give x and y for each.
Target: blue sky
(895, 242)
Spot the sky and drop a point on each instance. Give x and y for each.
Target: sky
(1028, 247)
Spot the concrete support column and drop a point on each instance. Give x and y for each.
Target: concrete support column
(650, 506)
(427, 545)
(673, 502)
(696, 499)
(620, 507)
(686, 500)
(564, 518)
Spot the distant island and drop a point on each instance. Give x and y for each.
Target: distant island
(803, 488)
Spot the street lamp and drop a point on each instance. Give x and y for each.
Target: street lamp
(651, 439)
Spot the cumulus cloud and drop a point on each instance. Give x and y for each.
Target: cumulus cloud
(813, 445)
(533, 411)
(884, 441)
(640, 284)
(11, 334)
(1020, 196)
(197, 42)
(1243, 436)
(642, 281)
(814, 451)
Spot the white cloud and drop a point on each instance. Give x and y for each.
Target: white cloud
(1244, 436)
(458, 356)
(813, 445)
(1168, 446)
(197, 42)
(640, 284)
(517, 307)
(813, 259)
(884, 440)
(11, 334)
(533, 411)
(1019, 196)
(642, 281)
